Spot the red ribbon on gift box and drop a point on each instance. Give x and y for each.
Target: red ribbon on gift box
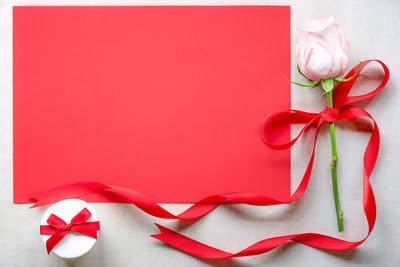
(342, 110)
(58, 228)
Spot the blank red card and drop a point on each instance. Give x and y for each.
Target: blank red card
(168, 101)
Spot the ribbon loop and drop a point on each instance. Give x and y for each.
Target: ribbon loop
(276, 126)
(81, 217)
(340, 94)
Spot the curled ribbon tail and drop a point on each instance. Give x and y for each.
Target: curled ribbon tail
(341, 111)
(275, 133)
(66, 191)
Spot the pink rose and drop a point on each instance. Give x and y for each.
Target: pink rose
(321, 50)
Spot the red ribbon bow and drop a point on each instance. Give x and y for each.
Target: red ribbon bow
(272, 131)
(57, 228)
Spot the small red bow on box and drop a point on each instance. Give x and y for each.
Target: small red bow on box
(57, 228)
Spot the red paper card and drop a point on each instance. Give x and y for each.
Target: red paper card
(168, 101)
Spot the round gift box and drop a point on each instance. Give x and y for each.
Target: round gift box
(73, 245)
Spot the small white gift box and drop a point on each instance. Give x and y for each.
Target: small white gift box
(74, 238)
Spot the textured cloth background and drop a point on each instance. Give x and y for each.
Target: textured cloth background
(373, 29)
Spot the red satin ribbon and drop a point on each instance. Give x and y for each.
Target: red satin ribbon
(271, 133)
(57, 228)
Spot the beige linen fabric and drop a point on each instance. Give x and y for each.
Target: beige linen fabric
(373, 28)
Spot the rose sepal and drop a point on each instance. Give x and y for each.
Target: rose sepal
(340, 79)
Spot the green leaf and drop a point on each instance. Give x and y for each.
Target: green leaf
(311, 84)
(327, 84)
(298, 69)
(340, 79)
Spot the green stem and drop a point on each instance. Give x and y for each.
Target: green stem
(339, 212)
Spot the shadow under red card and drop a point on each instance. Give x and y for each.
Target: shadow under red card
(168, 101)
